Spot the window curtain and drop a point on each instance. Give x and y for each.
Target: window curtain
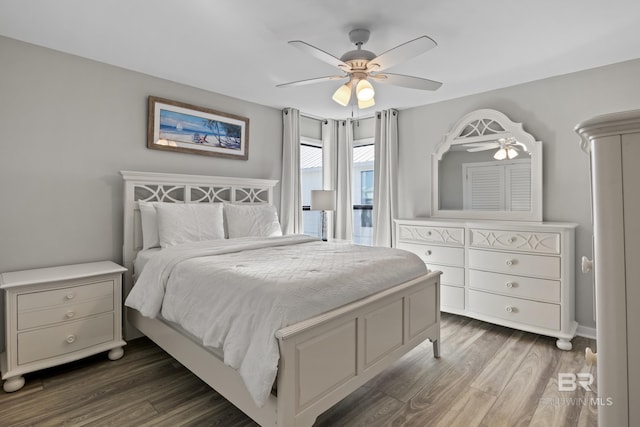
(385, 177)
(290, 194)
(337, 148)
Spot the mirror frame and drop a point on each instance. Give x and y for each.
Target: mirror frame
(479, 120)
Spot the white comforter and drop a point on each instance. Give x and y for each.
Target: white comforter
(235, 294)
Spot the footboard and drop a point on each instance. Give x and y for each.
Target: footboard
(324, 359)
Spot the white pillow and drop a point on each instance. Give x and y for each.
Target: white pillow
(189, 222)
(259, 220)
(148, 219)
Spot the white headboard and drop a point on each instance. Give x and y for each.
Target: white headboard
(176, 188)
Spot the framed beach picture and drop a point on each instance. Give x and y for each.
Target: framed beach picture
(176, 126)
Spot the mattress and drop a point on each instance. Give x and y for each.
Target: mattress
(234, 294)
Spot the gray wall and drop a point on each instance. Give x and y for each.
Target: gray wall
(68, 125)
(549, 109)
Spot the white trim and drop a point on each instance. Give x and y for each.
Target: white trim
(586, 332)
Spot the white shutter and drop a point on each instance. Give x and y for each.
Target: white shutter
(497, 186)
(485, 188)
(518, 187)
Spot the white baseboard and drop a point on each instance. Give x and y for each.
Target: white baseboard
(587, 332)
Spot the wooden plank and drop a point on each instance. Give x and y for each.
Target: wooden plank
(518, 401)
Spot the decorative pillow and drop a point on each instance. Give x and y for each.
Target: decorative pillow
(259, 220)
(148, 219)
(189, 222)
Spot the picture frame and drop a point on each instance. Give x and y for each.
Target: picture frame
(185, 128)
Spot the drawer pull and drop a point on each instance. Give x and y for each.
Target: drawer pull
(428, 233)
(509, 309)
(512, 239)
(71, 338)
(510, 262)
(428, 252)
(71, 295)
(70, 314)
(509, 285)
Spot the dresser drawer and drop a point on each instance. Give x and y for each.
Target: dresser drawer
(435, 254)
(451, 297)
(533, 313)
(450, 275)
(525, 241)
(517, 286)
(427, 234)
(64, 312)
(66, 338)
(515, 263)
(65, 296)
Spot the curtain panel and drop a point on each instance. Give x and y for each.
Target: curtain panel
(290, 193)
(385, 177)
(337, 148)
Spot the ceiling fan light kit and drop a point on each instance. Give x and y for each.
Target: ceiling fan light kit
(360, 65)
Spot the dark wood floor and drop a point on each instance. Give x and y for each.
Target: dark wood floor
(487, 376)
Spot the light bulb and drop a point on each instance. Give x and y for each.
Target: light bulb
(364, 90)
(512, 153)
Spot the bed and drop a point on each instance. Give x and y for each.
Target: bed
(321, 358)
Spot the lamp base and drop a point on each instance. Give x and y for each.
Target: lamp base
(323, 234)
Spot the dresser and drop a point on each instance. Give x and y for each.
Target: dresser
(515, 274)
(60, 314)
(613, 142)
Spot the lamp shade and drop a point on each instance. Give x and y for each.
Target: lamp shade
(364, 90)
(366, 104)
(323, 200)
(343, 94)
(501, 154)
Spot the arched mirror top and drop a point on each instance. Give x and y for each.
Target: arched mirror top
(487, 167)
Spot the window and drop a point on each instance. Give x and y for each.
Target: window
(311, 168)
(363, 156)
(310, 179)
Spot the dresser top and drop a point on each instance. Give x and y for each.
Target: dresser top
(57, 274)
(494, 224)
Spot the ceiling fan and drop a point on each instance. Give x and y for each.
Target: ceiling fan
(360, 65)
(507, 147)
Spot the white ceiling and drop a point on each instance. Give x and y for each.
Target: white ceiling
(239, 47)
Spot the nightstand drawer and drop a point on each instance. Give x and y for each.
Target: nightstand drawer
(64, 313)
(65, 296)
(435, 254)
(533, 313)
(66, 338)
(513, 263)
(516, 286)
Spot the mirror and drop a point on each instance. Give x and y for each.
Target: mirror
(487, 167)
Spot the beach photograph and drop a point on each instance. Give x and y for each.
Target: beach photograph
(185, 128)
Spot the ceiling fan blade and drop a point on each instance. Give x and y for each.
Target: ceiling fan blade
(320, 54)
(401, 53)
(486, 147)
(311, 81)
(406, 81)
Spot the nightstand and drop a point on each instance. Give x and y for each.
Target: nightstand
(60, 314)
